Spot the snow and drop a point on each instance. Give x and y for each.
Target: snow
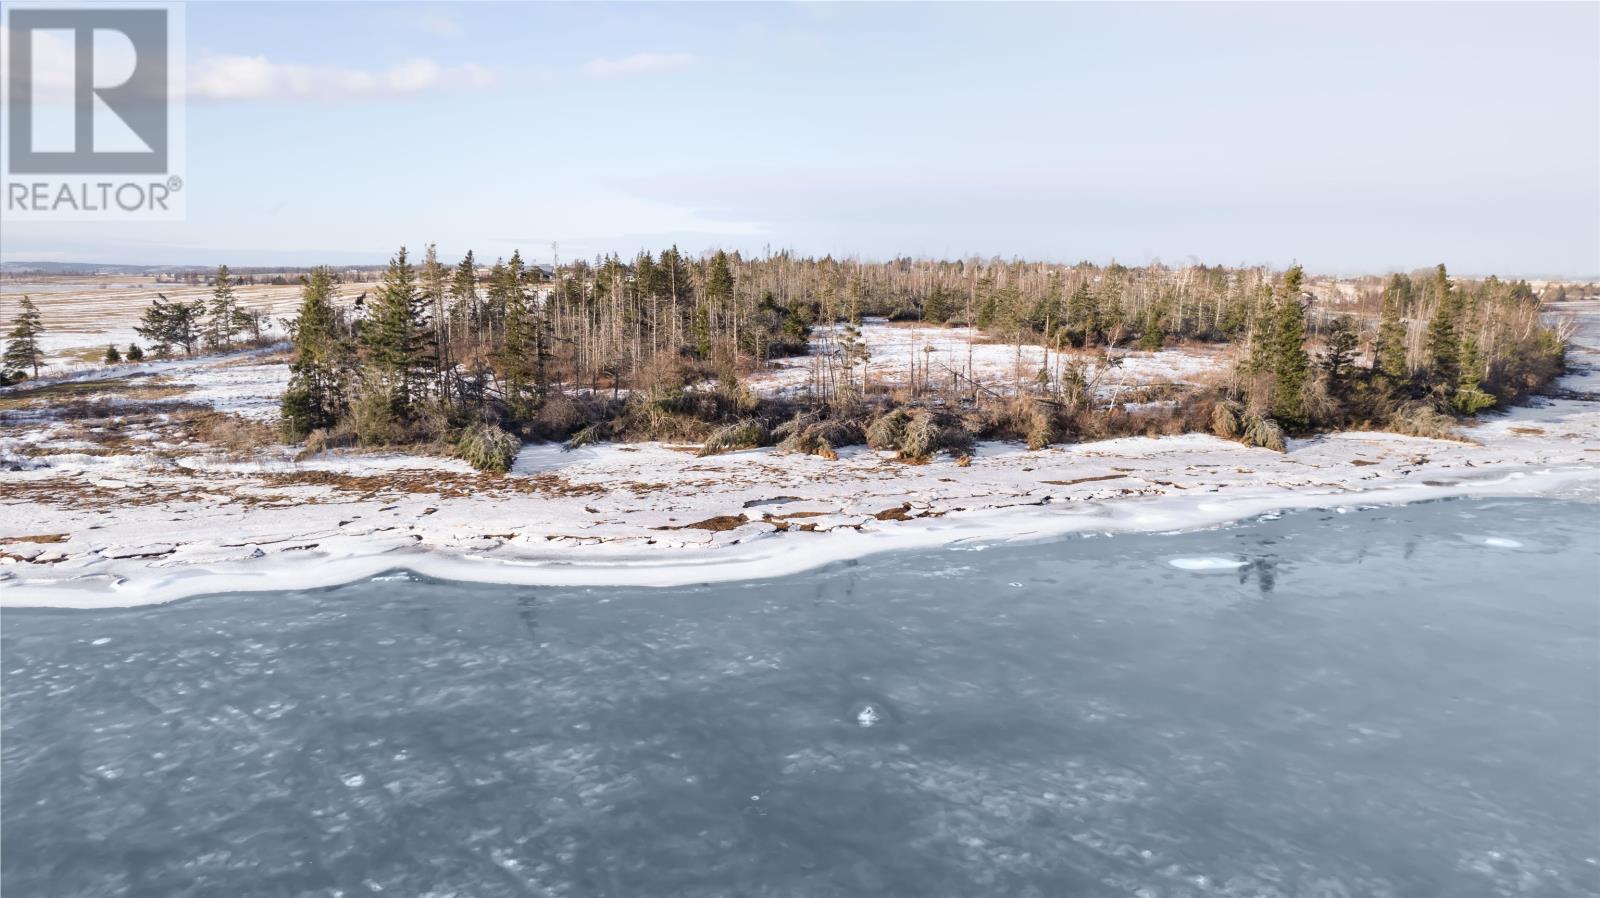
(154, 522)
(1207, 564)
(945, 352)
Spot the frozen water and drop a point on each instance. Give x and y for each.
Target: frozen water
(1370, 705)
(1207, 564)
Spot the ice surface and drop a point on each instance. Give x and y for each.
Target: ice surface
(1207, 564)
(1373, 707)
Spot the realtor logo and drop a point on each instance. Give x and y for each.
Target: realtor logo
(93, 112)
(139, 102)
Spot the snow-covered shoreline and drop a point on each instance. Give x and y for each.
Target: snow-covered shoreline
(148, 514)
(132, 558)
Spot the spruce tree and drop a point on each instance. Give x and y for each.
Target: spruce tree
(1444, 347)
(1389, 356)
(112, 356)
(315, 395)
(1290, 364)
(1338, 362)
(166, 324)
(516, 357)
(22, 343)
(224, 319)
(396, 338)
(134, 353)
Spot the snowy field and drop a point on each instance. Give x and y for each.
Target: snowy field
(81, 317)
(950, 355)
(116, 490)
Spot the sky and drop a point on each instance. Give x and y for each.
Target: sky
(1350, 137)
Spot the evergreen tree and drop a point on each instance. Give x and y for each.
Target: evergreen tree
(465, 314)
(938, 307)
(1290, 364)
(224, 319)
(315, 395)
(1444, 347)
(166, 324)
(1389, 356)
(1338, 362)
(134, 353)
(396, 338)
(112, 356)
(1469, 397)
(718, 296)
(22, 343)
(516, 358)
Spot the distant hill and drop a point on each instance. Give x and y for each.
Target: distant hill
(89, 268)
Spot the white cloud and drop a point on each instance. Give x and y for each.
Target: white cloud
(258, 78)
(639, 63)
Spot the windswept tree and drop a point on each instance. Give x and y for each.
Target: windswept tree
(169, 323)
(22, 343)
(315, 395)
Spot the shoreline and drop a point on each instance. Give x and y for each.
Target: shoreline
(144, 511)
(755, 556)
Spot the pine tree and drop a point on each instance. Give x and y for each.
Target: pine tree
(315, 395)
(134, 353)
(224, 319)
(112, 356)
(1469, 397)
(1389, 356)
(465, 313)
(517, 356)
(22, 343)
(718, 295)
(1338, 362)
(396, 338)
(166, 324)
(1444, 347)
(1290, 364)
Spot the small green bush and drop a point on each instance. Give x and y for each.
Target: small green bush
(487, 447)
(746, 434)
(594, 433)
(1263, 433)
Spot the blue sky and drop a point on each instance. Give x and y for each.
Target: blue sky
(1349, 137)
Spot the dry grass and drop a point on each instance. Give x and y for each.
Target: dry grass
(145, 389)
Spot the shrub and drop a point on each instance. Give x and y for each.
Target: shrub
(376, 424)
(924, 435)
(557, 417)
(888, 431)
(487, 447)
(810, 433)
(746, 434)
(1263, 433)
(594, 433)
(1422, 419)
(1041, 430)
(1470, 399)
(1225, 419)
